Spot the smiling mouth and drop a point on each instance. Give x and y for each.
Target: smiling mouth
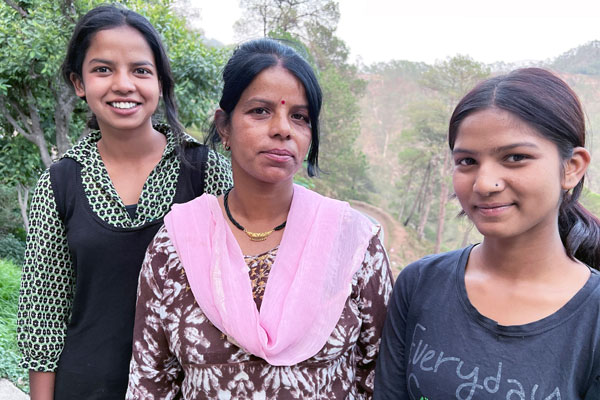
(123, 105)
(493, 209)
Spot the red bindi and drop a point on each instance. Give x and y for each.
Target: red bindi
(282, 101)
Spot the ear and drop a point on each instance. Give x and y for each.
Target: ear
(222, 124)
(575, 167)
(77, 84)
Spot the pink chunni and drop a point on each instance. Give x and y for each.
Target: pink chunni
(323, 245)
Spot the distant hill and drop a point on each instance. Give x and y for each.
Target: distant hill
(583, 60)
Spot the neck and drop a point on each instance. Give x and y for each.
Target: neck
(517, 258)
(130, 145)
(259, 203)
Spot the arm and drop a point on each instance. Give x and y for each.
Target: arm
(217, 178)
(41, 385)
(376, 286)
(390, 374)
(154, 371)
(46, 293)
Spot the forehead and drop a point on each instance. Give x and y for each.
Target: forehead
(275, 83)
(495, 127)
(117, 43)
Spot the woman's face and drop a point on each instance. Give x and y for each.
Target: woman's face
(507, 176)
(269, 130)
(119, 80)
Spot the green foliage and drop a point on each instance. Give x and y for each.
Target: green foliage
(39, 106)
(10, 218)
(20, 161)
(580, 60)
(591, 201)
(12, 248)
(309, 25)
(195, 67)
(10, 276)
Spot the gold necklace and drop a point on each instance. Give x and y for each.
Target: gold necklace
(254, 236)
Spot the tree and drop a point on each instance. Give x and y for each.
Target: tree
(313, 24)
(39, 106)
(20, 166)
(450, 80)
(296, 17)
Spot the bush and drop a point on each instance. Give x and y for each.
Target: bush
(12, 248)
(10, 276)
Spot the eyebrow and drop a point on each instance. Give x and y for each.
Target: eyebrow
(498, 149)
(109, 62)
(269, 102)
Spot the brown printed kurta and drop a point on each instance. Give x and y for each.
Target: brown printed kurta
(178, 352)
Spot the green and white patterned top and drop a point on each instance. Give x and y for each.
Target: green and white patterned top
(48, 281)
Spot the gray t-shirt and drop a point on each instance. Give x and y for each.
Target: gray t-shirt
(437, 346)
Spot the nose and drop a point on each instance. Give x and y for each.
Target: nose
(122, 82)
(488, 181)
(280, 125)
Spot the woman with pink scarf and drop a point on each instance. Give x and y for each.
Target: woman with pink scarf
(272, 290)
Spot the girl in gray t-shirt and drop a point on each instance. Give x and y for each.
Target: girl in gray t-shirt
(516, 316)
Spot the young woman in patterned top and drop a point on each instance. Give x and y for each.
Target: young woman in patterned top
(95, 211)
(271, 291)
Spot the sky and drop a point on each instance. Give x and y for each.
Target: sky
(432, 30)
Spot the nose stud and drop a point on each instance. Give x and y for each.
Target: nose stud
(282, 101)
(496, 185)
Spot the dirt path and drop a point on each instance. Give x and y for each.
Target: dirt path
(8, 391)
(396, 240)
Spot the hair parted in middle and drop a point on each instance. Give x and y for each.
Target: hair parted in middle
(112, 16)
(546, 103)
(249, 60)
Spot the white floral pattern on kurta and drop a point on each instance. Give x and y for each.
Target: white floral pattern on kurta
(178, 352)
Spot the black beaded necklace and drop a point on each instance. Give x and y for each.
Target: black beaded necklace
(254, 236)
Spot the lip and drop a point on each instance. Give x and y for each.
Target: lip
(124, 111)
(279, 155)
(493, 209)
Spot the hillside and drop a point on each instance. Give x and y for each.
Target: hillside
(404, 122)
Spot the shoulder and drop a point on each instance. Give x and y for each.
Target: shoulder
(431, 270)
(82, 150)
(217, 160)
(44, 181)
(161, 257)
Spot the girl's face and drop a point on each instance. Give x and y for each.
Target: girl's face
(119, 80)
(269, 130)
(507, 176)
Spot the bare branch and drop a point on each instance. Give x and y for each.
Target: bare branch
(13, 121)
(36, 125)
(17, 8)
(22, 115)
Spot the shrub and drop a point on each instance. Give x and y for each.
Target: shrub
(12, 248)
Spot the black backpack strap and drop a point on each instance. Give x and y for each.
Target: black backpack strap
(65, 177)
(193, 168)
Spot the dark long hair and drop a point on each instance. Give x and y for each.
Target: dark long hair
(249, 60)
(110, 16)
(548, 104)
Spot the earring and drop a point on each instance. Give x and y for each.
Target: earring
(226, 146)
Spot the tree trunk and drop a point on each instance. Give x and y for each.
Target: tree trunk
(65, 104)
(406, 190)
(428, 200)
(23, 197)
(27, 124)
(418, 199)
(443, 201)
